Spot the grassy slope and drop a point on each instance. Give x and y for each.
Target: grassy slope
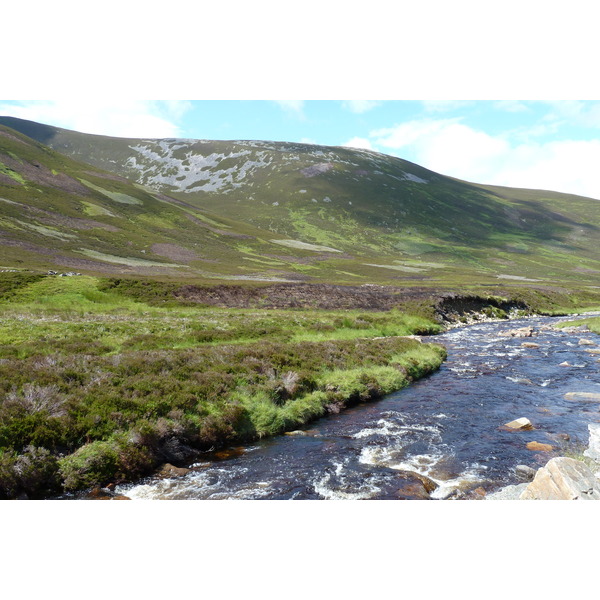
(391, 221)
(97, 386)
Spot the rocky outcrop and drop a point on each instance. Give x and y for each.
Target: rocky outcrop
(563, 479)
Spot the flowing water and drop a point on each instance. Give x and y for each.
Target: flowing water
(447, 427)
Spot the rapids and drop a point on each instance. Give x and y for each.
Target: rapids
(447, 427)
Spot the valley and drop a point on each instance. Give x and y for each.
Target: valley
(160, 299)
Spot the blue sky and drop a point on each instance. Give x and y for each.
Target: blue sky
(537, 144)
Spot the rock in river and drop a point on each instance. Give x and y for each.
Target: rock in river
(539, 447)
(587, 396)
(522, 423)
(520, 332)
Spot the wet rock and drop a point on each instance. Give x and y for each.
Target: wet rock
(415, 486)
(593, 350)
(168, 471)
(539, 447)
(519, 424)
(525, 473)
(99, 493)
(565, 364)
(563, 479)
(585, 342)
(587, 396)
(530, 345)
(520, 332)
(593, 450)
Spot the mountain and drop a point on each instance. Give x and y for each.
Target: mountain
(258, 210)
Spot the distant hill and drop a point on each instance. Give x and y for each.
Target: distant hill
(258, 210)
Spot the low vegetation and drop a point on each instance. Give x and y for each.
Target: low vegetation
(97, 386)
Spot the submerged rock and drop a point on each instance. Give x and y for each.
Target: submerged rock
(539, 447)
(588, 396)
(563, 479)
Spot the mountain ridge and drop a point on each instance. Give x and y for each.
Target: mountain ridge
(300, 212)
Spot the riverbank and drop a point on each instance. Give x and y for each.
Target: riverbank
(99, 388)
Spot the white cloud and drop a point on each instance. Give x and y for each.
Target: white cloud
(444, 105)
(512, 106)
(292, 107)
(360, 106)
(119, 118)
(358, 142)
(452, 148)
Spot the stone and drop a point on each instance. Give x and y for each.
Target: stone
(539, 447)
(415, 486)
(525, 473)
(584, 342)
(520, 332)
(519, 424)
(587, 396)
(564, 364)
(593, 350)
(593, 450)
(167, 471)
(563, 479)
(510, 492)
(530, 345)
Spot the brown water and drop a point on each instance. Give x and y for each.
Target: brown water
(446, 426)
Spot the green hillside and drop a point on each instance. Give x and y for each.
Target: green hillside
(256, 210)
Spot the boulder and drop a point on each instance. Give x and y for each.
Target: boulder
(584, 342)
(593, 450)
(539, 447)
(519, 424)
(587, 396)
(530, 345)
(563, 479)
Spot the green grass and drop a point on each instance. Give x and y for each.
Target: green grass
(95, 384)
(593, 324)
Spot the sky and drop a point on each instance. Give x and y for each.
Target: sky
(552, 145)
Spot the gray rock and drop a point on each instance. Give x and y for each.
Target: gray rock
(520, 332)
(563, 479)
(593, 450)
(510, 492)
(525, 473)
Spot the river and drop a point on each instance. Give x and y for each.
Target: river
(447, 427)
